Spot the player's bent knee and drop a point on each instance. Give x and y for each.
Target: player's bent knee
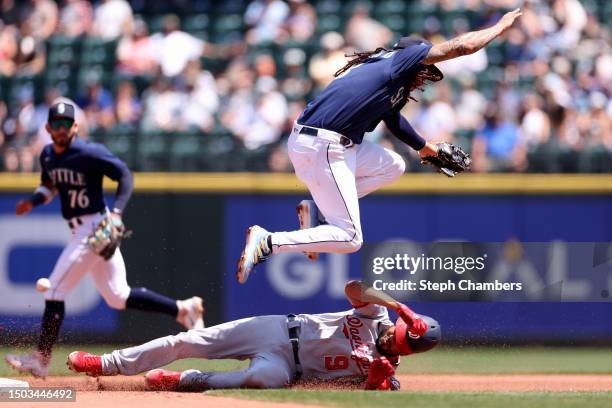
(398, 167)
(116, 298)
(354, 244)
(115, 303)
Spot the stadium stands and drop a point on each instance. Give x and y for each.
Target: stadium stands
(550, 81)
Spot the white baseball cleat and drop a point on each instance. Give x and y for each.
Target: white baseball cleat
(190, 313)
(308, 214)
(33, 363)
(256, 250)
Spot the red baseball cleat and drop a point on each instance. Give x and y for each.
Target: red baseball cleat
(82, 362)
(162, 380)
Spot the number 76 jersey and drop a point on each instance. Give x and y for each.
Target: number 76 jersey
(77, 174)
(341, 344)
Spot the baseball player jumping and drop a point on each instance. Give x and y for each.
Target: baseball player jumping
(282, 348)
(330, 156)
(75, 169)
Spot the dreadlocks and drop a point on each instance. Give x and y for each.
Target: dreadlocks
(425, 72)
(359, 57)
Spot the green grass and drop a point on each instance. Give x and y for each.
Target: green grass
(445, 360)
(510, 360)
(58, 364)
(365, 399)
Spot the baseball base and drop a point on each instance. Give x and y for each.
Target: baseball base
(7, 382)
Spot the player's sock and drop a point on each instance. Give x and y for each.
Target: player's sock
(147, 300)
(51, 323)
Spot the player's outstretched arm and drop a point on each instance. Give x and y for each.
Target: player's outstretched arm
(42, 195)
(360, 294)
(471, 42)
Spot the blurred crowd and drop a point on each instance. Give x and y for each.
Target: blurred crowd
(244, 70)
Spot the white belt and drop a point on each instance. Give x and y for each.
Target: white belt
(324, 134)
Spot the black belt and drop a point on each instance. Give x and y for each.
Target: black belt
(74, 222)
(306, 130)
(293, 327)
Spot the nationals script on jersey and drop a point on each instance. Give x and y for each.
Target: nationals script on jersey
(341, 344)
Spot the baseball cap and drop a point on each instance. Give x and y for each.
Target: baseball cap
(410, 344)
(406, 42)
(61, 110)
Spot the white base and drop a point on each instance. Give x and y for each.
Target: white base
(7, 382)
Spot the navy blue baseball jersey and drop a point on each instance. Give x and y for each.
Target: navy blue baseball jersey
(359, 99)
(77, 174)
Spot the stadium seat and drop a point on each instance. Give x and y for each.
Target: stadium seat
(186, 151)
(196, 24)
(396, 22)
(391, 7)
(595, 159)
(329, 22)
(99, 52)
(227, 27)
(152, 151)
(230, 6)
(328, 7)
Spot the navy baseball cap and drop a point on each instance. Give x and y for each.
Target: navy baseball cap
(61, 110)
(406, 42)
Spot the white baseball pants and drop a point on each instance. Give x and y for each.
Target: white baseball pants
(336, 176)
(263, 339)
(77, 259)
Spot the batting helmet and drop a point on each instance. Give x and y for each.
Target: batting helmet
(410, 344)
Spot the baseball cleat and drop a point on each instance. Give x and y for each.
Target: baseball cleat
(256, 250)
(308, 214)
(33, 363)
(190, 313)
(194, 381)
(162, 380)
(82, 362)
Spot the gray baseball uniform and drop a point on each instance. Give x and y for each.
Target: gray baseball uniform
(331, 345)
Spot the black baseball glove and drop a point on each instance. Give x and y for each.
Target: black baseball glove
(451, 159)
(107, 236)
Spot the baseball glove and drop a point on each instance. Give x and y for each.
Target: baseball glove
(451, 159)
(107, 236)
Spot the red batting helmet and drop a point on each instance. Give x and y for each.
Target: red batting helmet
(410, 344)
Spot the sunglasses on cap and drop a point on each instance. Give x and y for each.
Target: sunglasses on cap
(58, 123)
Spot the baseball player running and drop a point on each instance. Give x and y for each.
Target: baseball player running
(75, 169)
(330, 156)
(361, 341)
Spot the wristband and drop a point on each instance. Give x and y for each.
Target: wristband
(37, 199)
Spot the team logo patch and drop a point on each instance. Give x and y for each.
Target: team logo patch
(413, 336)
(61, 108)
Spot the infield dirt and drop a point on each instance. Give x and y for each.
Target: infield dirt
(128, 392)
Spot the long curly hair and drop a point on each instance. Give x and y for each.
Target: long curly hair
(424, 74)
